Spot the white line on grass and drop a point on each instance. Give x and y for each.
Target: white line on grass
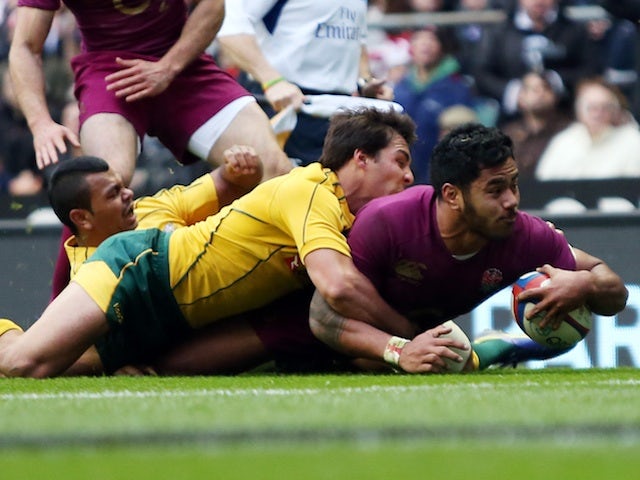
(244, 392)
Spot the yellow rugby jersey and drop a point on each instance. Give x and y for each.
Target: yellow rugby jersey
(167, 210)
(179, 205)
(253, 250)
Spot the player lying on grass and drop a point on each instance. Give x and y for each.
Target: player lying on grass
(143, 291)
(92, 199)
(433, 253)
(436, 252)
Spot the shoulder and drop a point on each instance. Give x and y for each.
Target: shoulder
(40, 4)
(535, 230)
(397, 209)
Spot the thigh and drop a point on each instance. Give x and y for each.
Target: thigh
(226, 347)
(251, 127)
(112, 137)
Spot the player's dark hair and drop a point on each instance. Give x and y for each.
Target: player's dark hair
(367, 129)
(461, 154)
(68, 187)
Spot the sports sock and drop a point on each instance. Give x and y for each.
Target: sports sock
(6, 325)
(491, 352)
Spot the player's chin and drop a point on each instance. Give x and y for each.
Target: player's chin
(503, 229)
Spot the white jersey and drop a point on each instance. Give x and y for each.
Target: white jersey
(315, 44)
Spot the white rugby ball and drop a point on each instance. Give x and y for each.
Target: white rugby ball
(574, 327)
(457, 334)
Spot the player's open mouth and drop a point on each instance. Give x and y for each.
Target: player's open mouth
(129, 212)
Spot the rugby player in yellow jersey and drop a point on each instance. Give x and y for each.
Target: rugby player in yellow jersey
(143, 291)
(97, 204)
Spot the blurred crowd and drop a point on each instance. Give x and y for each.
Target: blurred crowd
(563, 88)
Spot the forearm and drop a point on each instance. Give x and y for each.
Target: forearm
(243, 50)
(350, 337)
(199, 31)
(364, 69)
(351, 294)
(25, 64)
(27, 80)
(607, 295)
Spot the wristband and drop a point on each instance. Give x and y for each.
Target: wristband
(393, 350)
(267, 85)
(6, 325)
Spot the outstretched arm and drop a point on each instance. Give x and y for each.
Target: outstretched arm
(140, 78)
(27, 77)
(592, 283)
(425, 353)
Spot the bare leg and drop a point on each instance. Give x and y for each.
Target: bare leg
(228, 347)
(111, 137)
(251, 127)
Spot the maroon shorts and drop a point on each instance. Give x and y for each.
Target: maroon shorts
(283, 328)
(198, 93)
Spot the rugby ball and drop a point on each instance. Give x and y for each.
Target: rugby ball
(575, 326)
(457, 334)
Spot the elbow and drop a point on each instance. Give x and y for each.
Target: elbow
(338, 292)
(25, 367)
(615, 303)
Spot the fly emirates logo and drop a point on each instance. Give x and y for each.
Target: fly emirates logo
(342, 26)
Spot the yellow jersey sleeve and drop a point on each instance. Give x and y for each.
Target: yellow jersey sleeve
(76, 254)
(179, 205)
(315, 214)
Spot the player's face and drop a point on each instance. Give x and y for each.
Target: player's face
(111, 204)
(390, 171)
(491, 203)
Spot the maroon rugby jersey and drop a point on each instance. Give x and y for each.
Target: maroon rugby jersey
(146, 27)
(396, 243)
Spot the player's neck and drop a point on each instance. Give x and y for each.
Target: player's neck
(86, 239)
(456, 235)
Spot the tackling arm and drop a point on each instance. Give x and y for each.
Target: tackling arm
(350, 293)
(423, 354)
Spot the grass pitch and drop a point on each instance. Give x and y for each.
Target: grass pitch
(525, 424)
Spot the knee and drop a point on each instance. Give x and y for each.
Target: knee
(275, 163)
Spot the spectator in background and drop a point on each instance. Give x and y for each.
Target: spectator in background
(19, 175)
(299, 48)
(432, 83)
(537, 36)
(539, 117)
(603, 142)
(470, 34)
(454, 116)
(430, 5)
(615, 40)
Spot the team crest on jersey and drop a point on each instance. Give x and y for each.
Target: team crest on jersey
(295, 265)
(410, 272)
(491, 280)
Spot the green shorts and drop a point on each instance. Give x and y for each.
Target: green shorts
(144, 318)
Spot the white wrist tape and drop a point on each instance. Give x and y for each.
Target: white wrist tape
(393, 350)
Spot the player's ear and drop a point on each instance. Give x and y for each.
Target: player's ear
(451, 195)
(81, 218)
(360, 157)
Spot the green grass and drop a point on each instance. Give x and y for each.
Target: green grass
(524, 424)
